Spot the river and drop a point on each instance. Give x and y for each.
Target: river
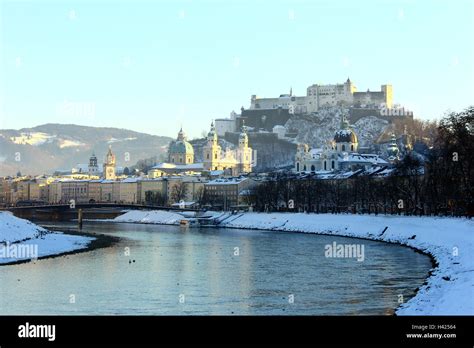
(170, 270)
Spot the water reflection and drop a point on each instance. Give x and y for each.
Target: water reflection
(197, 271)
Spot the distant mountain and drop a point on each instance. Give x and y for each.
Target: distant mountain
(51, 147)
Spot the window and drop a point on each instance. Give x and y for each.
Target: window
(207, 156)
(343, 147)
(313, 168)
(297, 166)
(304, 167)
(332, 164)
(352, 147)
(325, 166)
(215, 156)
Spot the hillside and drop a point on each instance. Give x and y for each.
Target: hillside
(50, 147)
(318, 128)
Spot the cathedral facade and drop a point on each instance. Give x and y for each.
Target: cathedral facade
(235, 162)
(181, 157)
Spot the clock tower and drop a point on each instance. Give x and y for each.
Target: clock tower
(109, 165)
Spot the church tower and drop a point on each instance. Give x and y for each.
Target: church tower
(93, 166)
(109, 165)
(244, 152)
(211, 151)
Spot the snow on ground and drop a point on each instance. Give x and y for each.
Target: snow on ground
(13, 229)
(449, 289)
(18, 234)
(69, 143)
(150, 217)
(32, 138)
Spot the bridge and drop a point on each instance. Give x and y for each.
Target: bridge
(63, 211)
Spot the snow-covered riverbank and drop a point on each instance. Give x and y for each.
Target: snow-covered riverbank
(449, 289)
(22, 240)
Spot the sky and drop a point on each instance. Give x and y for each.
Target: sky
(152, 66)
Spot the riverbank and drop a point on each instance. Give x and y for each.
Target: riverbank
(448, 290)
(22, 241)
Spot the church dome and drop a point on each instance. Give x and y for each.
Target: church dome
(181, 147)
(345, 134)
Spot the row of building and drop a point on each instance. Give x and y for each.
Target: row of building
(220, 193)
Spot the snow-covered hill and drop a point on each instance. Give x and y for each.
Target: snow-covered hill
(318, 128)
(50, 147)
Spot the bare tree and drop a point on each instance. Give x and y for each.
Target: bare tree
(178, 192)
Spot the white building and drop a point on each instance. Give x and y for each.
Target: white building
(224, 125)
(318, 96)
(236, 161)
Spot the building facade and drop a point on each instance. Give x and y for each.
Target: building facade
(235, 162)
(330, 95)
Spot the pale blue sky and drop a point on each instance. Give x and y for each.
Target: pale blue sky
(151, 66)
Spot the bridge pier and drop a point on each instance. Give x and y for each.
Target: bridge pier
(79, 218)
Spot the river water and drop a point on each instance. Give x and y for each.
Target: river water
(199, 271)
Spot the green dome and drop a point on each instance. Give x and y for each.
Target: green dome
(181, 147)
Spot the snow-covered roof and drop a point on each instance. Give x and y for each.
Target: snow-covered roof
(191, 166)
(130, 180)
(186, 204)
(226, 181)
(362, 158)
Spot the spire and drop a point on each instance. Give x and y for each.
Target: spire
(344, 122)
(244, 127)
(181, 135)
(110, 158)
(212, 135)
(291, 91)
(243, 137)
